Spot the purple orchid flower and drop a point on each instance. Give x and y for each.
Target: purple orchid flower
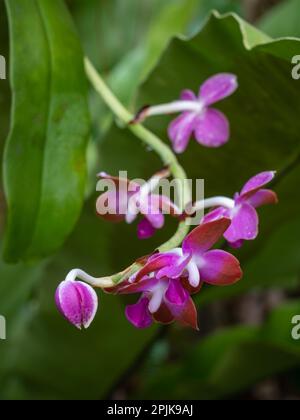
(163, 300)
(77, 302)
(242, 210)
(168, 279)
(128, 199)
(210, 126)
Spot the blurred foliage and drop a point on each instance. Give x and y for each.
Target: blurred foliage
(44, 357)
(229, 361)
(283, 20)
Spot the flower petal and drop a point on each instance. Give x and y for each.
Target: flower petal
(215, 214)
(237, 244)
(181, 130)
(163, 315)
(156, 263)
(145, 285)
(149, 207)
(244, 224)
(220, 268)
(189, 317)
(138, 314)
(121, 183)
(188, 95)
(78, 303)
(202, 238)
(256, 183)
(218, 87)
(190, 289)
(263, 197)
(112, 206)
(212, 128)
(157, 220)
(174, 270)
(176, 294)
(145, 229)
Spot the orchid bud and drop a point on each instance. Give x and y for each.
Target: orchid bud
(77, 302)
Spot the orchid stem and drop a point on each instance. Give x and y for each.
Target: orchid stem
(155, 143)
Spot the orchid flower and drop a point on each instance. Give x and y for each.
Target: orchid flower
(195, 260)
(209, 125)
(129, 199)
(168, 279)
(242, 209)
(162, 300)
(77, 302)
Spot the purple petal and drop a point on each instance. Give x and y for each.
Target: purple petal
(176, 294)
(244, 224)
(189, 317)
(212, 128)
(144, 285)
(237, 244)
(163, 315)
(176, 269)
(156, 263)
(78, 303)
(181, 130)
(138, 314)
(150, 209)
(188, 95)
(215, 214)
(112, 206)
(145, 229)
(217, 88)
(202, 238)
(256, 183)
(263, 197)
(220, 268)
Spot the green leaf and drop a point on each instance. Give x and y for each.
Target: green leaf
(231, 360)
(282, 20)
(44, 164)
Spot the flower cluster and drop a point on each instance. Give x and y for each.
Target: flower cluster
(166, 281)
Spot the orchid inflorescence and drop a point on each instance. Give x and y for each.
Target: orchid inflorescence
(168, 278)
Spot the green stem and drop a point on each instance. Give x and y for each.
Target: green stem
(155, 143)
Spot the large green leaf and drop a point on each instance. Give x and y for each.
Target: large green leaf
(4, 91)
(282, 20)
(44, 164)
